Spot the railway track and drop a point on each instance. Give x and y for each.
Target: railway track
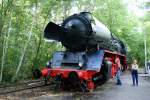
(16, 84)
(22, 87)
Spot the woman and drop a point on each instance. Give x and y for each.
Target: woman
(118, 74)
(134, 72)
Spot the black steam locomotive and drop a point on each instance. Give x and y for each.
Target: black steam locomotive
(91, 50)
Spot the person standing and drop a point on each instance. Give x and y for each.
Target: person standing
(148, 66)
(134, 72)
(118, 74)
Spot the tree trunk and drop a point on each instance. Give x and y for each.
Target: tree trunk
(40, 41)
(24, 50)
(5, 46)
(26, 45)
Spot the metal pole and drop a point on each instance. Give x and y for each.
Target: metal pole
(145, 46)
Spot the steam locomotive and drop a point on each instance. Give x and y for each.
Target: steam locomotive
(89, 58)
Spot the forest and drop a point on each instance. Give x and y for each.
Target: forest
(22, 22)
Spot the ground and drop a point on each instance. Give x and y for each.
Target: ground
(108, 91)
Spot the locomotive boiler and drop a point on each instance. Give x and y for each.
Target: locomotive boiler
(89, 58)
(83, 31)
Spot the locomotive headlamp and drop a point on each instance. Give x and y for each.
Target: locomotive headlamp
(80, 64)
